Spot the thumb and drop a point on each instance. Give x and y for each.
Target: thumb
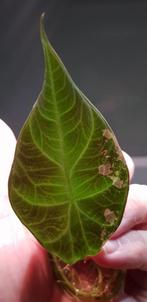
(127, 248)
(127, 252)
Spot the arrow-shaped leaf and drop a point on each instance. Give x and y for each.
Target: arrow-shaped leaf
(69, 181)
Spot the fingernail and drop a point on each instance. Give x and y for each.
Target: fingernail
(110, 246)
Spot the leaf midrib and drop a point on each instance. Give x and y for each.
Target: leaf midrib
(60, 133)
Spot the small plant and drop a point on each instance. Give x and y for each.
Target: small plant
(69, 181)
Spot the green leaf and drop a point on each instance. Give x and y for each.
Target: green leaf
(69, 182)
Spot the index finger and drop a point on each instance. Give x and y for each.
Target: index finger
(135, 214)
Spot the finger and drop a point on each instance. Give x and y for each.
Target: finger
(135, 217)
(127, 252)
(11, 229)
(126, 298)
(130, 164)
(135, 214)
(7, 147)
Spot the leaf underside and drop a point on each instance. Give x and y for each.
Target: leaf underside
(69, 182)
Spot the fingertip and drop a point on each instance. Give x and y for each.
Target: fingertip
(106, 257)
(130, 164)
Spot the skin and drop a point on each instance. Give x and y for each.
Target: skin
(25, 272)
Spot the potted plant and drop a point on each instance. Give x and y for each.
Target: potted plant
(69, 181)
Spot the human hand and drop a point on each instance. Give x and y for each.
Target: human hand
(127, 249)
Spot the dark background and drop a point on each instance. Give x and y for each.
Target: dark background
(102, 43)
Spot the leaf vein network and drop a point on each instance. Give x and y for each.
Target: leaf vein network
(86, 146)
(42, 151)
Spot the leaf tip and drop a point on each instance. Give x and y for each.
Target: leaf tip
(42, 30)
(42, 18)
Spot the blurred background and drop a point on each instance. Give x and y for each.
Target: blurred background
(103, 45)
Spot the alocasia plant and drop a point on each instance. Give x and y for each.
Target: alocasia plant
(69, 181)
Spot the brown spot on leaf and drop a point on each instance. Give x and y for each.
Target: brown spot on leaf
(119, 152)
(104, 152)
(107, 133)
(109, 215)
(105, 169)
(103, 234)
